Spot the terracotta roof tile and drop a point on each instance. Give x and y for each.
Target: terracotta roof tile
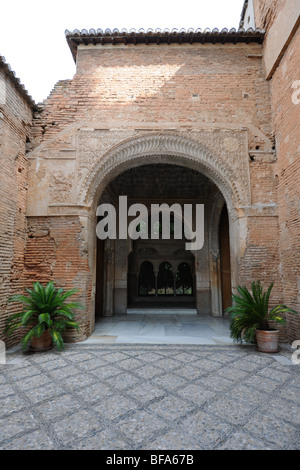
(133, 36)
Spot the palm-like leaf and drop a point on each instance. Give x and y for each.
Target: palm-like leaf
(44, 308)
(250, 311)
(57, 339)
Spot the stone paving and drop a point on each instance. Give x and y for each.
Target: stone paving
(149, 397)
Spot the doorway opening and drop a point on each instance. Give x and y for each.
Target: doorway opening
(161, 273)
(224, 247)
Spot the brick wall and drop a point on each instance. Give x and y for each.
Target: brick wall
(15, 121)
(161, 85)
(286, 122)
(54, 252)
(260, 261)
(286, 129)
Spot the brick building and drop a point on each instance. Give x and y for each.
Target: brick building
(180, 117)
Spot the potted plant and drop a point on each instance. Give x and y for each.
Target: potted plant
(45, 314)
(251, 317)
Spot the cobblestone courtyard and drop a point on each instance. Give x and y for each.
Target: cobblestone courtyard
(134, 397)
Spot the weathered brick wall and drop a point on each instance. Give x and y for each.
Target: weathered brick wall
(286, 129)
(15, 121)
(286, 122)
(260, 261)
(54, 252)
(261, 257)
(162, 86)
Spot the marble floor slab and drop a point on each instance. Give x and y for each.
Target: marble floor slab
(162, 329)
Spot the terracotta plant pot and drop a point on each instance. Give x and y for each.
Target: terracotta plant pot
(267, 341)
(44, 343)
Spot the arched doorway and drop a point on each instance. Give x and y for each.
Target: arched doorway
(158, 272)
(172, 148)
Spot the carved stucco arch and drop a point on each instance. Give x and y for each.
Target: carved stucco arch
(162, 148)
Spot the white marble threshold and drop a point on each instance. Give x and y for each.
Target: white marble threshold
(161, 329)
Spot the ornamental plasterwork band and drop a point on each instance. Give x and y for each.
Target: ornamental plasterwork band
(226, 174)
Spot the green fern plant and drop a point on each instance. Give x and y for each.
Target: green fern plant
(250, 311)
(44, 308)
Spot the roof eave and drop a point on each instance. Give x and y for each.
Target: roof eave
(17, 83)
(158, 36)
